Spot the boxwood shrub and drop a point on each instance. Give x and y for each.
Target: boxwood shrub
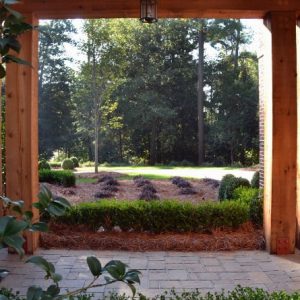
(44, 165)
(65, 178)
(67, 164)
(245, 194)
(229, 183)
(158, 216)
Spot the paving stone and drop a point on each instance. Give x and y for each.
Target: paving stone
(210, 261)
(206, 271)
(177, 275)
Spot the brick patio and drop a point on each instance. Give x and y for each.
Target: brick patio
(207, 271)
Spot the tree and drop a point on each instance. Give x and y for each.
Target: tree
(56, 129)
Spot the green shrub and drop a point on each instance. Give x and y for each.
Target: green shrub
(75, 161)
(44, 165)
(228, 184)
(158, 216)
(65, 178)
(67, 164)
(239, 293)
(255, 180)
(245, 194)
(256, 210)
(55, 164)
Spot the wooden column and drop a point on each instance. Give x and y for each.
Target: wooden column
(281, 135)
(298, 139)
(22, 127)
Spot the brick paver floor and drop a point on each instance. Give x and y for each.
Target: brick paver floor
(207, 271)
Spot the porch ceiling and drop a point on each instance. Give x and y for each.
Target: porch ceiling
(166, 8)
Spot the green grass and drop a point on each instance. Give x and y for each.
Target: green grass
(146, 176)
(86, 180)
(165, 172)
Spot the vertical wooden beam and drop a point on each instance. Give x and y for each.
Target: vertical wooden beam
(22, 127)
(281, 136)
(298, 137)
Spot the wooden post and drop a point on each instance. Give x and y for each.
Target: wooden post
(22, 127)
(281, 135)
(298, 138)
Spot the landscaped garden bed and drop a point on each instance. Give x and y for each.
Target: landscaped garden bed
(78, 237)
(199, 217)
(88, 185)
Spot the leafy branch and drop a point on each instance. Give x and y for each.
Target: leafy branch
(11, 235)
(12, 25)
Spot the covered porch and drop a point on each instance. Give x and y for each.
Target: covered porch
(282, 40)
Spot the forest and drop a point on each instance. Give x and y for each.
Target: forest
(179, 92)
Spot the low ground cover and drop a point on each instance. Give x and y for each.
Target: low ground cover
(239, 293)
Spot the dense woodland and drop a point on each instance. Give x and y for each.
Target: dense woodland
(150, 93)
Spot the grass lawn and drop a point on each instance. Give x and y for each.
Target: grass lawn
(165, 172)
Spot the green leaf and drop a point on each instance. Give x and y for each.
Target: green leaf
(14, 44)
(34, 293)
(42, 263)
(62, 201)
(56, 277)
(133, 289)
(3, 273)
(11, 2)
(94, 265)
(53, 290)
(3, 223)
(14, 227)
(116, 269)
(132, 276)
(14, 13)
(39, 226)
(15, 242)
(56, 209)
(28, 215)
(11, 58)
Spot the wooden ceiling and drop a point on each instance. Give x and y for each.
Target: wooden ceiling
(53, 9)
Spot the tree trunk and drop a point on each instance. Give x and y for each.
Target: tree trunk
(201, 40)
(121, 146)
(153, 145)
(237, 50)
(96, 142)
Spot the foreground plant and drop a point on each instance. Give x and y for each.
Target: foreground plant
(12, 229)
(12, 25)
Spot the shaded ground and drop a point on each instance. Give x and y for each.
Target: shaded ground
(88, 187)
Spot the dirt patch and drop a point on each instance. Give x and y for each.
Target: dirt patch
(245, 238)
(127, 190)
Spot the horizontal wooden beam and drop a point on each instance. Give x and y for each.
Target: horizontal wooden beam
(48, 9)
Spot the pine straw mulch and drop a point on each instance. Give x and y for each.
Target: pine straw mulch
(78, 238)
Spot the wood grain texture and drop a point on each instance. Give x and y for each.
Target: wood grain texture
(166, 8)
(22, 127)
(298, 139)
(281, 135)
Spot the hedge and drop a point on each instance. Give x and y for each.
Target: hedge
(239, 293)
(158, 216)
(65, 178)
(55, 164)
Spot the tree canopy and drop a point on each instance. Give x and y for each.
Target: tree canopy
(137, 92)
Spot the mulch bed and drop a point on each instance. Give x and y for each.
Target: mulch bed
(63, 236)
